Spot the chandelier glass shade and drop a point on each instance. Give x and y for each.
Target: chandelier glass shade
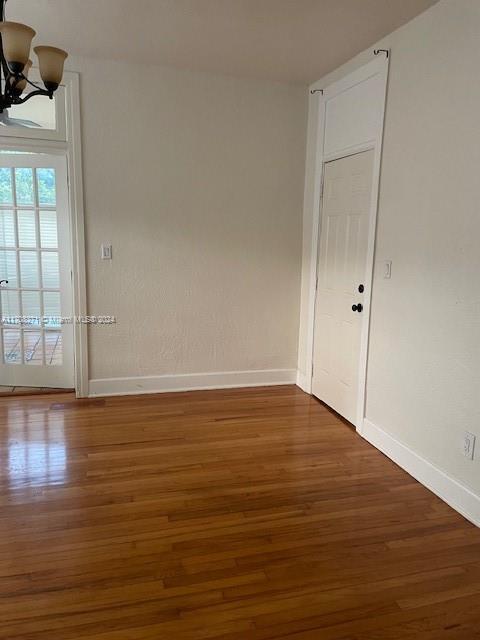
(15, 63)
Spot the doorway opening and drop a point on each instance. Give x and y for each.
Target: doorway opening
(36, 309)
(347, 127)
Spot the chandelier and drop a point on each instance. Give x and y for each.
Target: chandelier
(15, 63)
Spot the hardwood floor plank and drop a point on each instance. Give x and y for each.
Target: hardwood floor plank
(235, 514)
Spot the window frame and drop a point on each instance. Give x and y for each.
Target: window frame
(59, 134)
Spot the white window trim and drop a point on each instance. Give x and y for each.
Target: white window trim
(70, 147)
(60, 133)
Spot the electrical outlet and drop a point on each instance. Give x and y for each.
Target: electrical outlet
(469, 445)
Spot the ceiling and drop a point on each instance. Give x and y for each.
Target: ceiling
(295, 41)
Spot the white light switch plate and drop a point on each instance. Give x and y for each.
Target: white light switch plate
(106, 251)
(469, 445)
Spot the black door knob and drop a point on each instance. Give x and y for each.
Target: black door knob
(357, 307)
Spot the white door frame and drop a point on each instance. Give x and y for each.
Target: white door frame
(70, 148)
(62, 374)
(378, 67)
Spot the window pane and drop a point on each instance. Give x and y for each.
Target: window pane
(7, 229)
(29, 269)
(46, 186)
(37, 113)
(51, 308)
(50, 270)
(11, 346)
(53, 348)
(24, 186)
(6, 193)
(9, 306)
(8, 268)
(31, 304)
(33, 347)
(48, 229)
(27, 233)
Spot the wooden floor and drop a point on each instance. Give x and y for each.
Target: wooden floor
(28, 391)
(234, 515)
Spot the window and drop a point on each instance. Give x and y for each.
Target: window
(39, 118)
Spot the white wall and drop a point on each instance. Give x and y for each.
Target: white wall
(197, 182)
(423, 383)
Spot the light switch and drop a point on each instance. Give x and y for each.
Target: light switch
(468, 445)
(387, 269)
(106, 251)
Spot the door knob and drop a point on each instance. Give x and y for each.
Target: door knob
(3, 282)
(357, 307)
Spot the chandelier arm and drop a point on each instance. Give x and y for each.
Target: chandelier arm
(39, 92)
(4, 81)
(9, 95)
(4, 70)
(32, 83)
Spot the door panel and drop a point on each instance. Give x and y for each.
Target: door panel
(341, 269)
(36, 346)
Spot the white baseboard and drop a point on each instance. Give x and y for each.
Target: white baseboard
(190, 382)
(303, 382)
(455, 494)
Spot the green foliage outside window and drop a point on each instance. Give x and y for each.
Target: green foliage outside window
(25, 186)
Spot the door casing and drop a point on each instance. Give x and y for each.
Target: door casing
(59, 376)
(361, 135)
(70, 148)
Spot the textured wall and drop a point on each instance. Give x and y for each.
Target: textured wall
(423, 374)
(197, 181)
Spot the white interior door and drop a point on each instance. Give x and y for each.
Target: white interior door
(36, 345)
(341, 276)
